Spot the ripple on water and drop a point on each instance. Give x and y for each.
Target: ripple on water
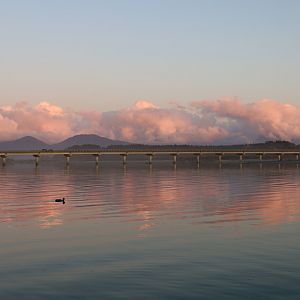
(139, 233)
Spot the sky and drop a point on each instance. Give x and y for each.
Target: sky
(172, 58)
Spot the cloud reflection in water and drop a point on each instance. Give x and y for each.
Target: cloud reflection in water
(205, 196)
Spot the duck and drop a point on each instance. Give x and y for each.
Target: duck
(60, 200)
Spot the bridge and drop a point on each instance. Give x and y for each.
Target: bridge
(150, 153)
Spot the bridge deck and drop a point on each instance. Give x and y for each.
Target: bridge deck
(152, 152)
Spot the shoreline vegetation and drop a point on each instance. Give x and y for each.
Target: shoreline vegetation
(268, 145)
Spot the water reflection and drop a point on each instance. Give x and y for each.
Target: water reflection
(146, 196)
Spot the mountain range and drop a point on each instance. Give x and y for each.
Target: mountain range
(32, 143)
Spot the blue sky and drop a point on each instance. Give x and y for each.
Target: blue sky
(105, 55)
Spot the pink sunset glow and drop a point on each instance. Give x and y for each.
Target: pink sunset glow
(202, 122)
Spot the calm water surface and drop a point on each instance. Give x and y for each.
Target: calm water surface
(141, 233)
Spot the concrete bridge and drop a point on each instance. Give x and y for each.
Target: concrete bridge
(198, 153)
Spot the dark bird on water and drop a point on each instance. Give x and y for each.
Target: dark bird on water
(60, 200)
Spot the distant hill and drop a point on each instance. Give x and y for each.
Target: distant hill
(24, 143)
(87, 139)
(93, 142)
(31, 143)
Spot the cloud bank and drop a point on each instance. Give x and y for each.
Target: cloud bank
(224, 121)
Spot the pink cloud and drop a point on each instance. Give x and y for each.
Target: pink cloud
(266, 118)
(144, 122)
(202, 122)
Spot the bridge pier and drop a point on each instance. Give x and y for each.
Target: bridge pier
(174, 158)
(150, 157)
(297, 156)
(97, 156)
(280, 157)
(260, 157)
(124, 158)
(67, 156)
(36, 159)
(3, 160)
(198, 159)
(241, 157)
(220, 157)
